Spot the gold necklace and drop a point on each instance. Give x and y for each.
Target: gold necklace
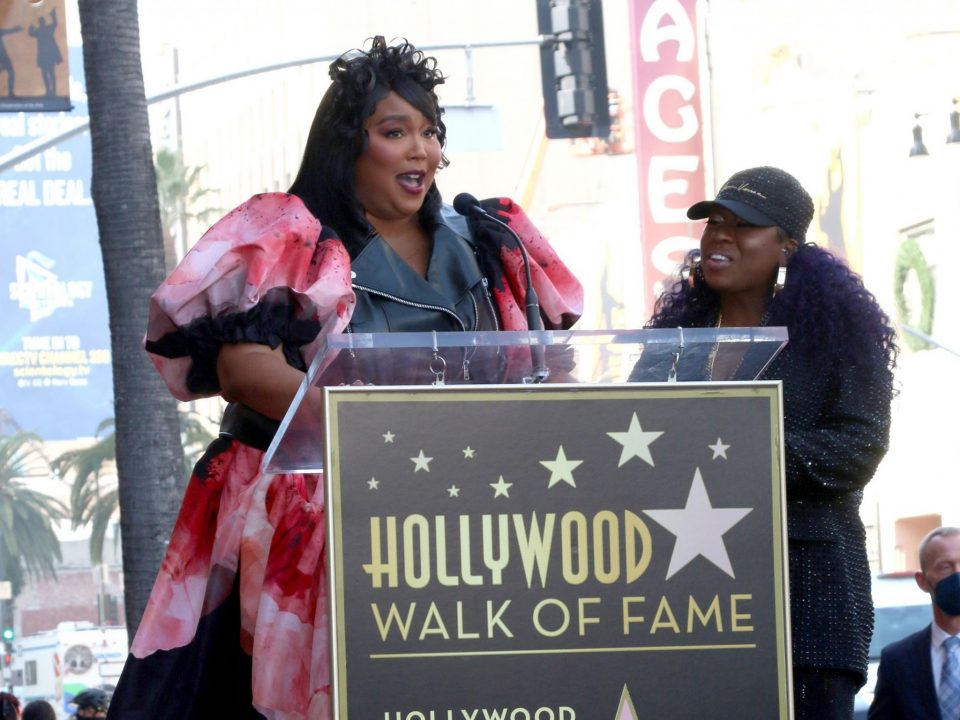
(712, 357)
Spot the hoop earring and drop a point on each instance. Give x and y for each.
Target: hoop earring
(692, 272)
(781, 280)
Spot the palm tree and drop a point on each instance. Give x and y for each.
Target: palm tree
(124, 190)
(93, 498)
(27, 538)
(178, 187)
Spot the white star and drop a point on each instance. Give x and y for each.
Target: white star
(421, 462)
(719, 449)
(501, 488)
(454, 491)
(388, 437)
(561, 469)
(373, 484)
(699, 529)
(636, 442)
(468, 452)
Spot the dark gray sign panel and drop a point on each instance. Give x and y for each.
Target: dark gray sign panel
(552, 553)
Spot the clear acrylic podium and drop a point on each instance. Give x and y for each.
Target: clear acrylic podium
(509, 358)
(507, 505)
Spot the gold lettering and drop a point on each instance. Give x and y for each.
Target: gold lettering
(419, 524)
(461, 633)
(442, 575)
(393, 616)
(377, 568)
(496, 564)
(736, 617)
(627, 617)
(564, 613)
(664, 611)
(468, 577)
(584, 619)
(635, 526)
(610, 549)
(494, 620)
(534, 547)
(433, 615)
(574, 548)
(694, 609)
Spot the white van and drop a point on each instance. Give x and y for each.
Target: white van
(57, 664)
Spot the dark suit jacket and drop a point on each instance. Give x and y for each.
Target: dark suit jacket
(905, 689)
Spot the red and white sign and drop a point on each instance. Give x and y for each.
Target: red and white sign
(669, 132)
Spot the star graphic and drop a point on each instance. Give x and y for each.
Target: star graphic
(636, 442)
(388, 437)
(454, 491)
(501, 488)
(561, 469)
(421, 462)
(699, 529)
(719, 449)
(468, 452)
(626, 711)
(373, 484)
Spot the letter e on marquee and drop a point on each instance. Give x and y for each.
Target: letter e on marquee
(669, 132)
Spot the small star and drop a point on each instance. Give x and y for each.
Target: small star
(454, 491)
(719, 449)
(373, 484)
(636, 442)
(468, 452)
(421, 462)
(561, 469)
(699, 529)
(501, 488)
(388, 437)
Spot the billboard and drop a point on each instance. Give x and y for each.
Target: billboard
(55, 376)
(34, 74)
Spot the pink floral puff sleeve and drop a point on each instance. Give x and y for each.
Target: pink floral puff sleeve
(266, 273)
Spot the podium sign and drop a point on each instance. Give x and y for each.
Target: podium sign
(557, 552)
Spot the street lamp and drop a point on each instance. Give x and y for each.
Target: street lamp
(954, 135)
(918, 147)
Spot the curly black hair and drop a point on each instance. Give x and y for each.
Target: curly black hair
(824, 305)
(360, 79)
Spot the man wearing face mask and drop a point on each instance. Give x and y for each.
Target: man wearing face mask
(919, 676)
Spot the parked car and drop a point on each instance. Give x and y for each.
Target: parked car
(899, 609)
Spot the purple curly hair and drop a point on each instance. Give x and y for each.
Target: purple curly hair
(824, 306)
(361, 79)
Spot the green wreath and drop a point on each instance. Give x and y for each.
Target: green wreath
(910, 258)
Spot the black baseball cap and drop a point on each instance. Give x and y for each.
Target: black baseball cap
(763, 196)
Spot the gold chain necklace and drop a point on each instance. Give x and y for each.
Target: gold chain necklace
(712, 357)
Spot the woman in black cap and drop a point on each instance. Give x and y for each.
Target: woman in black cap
(755, 268)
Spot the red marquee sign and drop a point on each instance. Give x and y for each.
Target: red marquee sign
(669, 132)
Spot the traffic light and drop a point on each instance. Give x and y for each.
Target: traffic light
(7, 634)
(573, 68)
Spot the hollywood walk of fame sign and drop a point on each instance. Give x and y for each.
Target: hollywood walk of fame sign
(557, 552)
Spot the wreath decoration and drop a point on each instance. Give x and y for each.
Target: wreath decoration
(910, 259)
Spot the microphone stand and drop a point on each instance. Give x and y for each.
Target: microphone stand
(466, 204)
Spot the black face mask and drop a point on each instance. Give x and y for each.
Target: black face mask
(946, 594)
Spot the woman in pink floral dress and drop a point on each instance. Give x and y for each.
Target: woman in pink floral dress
(237, 623)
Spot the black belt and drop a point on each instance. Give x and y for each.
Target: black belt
(244, 425)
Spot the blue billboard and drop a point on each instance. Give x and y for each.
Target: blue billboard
(55, 374)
